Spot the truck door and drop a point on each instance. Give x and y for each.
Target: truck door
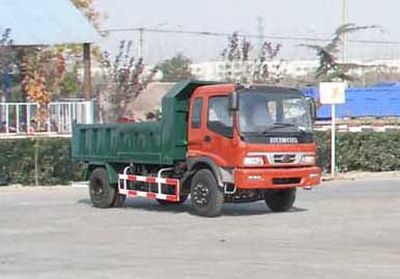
(196, 125)
(218, 133)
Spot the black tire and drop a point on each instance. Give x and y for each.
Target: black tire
(100, 190)
(206, 197)
(280, 200)
(182, 199)
(119, 200)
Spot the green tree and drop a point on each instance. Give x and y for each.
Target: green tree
(176, 68)
(7, 54)
(330, 68)
(8, 64)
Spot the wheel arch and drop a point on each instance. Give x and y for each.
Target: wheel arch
(112, 173)
(222, 175)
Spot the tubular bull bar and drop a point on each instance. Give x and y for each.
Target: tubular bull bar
(125, 178)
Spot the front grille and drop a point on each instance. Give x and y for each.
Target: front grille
(285, 181)
(284, 158)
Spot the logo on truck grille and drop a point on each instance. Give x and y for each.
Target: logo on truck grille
(283, 140)
(284, 158)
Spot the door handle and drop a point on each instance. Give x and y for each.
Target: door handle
(207, 138)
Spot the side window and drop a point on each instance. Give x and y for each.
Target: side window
(219, 118)
(196, 113)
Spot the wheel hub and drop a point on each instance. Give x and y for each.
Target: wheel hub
(98, 189)
(201, 194)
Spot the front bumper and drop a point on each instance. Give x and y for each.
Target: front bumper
(272, 178)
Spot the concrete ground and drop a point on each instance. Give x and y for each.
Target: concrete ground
(344, 229)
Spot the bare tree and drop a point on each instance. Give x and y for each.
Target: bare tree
(263, 68)
(265, 71)
(124, 79)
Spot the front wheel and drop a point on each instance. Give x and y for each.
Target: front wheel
(206, 197)
(280, 200)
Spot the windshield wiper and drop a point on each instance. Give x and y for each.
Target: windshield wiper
(278, 125)
(283, 124)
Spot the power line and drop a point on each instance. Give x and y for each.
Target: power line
(222, 34)
(208, 33)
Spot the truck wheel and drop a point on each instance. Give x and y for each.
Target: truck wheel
(206, 197)
(101, 192)
(280, 200)
(182, 199)
(119, 200)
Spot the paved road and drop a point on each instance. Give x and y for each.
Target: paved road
(345, 229)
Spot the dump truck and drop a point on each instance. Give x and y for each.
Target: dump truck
(217, 143)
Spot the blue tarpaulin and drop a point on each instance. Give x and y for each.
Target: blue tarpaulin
(377, 101)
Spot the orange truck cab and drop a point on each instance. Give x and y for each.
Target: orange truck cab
(259, 138)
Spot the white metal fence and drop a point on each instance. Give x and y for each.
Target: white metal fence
(19, 118)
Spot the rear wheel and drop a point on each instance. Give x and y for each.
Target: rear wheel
(102, 194)
(280, 200)
(206, 197)
(119, 200)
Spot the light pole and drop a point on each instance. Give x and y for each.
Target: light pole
(333, 105)
(344, 22)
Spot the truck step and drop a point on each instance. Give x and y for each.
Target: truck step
(123, 180)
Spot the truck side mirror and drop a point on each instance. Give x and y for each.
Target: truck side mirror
(312, 107)
(234, 101)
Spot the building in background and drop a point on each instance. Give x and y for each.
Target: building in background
(217, 70)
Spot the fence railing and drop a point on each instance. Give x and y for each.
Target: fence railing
(20, 118)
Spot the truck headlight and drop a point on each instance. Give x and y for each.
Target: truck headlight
(308, 160)
(253, 161)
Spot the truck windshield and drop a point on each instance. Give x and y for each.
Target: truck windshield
(265, 112)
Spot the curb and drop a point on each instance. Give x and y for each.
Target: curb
(81, 184)
(361, 176)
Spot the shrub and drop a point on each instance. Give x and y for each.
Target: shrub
(361, 151)
(356, 152)
(17, 161)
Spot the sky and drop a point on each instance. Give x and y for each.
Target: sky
(311, 18)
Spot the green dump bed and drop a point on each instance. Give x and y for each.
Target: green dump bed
(139, 142)
(158, 143)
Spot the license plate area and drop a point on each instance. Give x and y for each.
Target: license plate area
(286, 180)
